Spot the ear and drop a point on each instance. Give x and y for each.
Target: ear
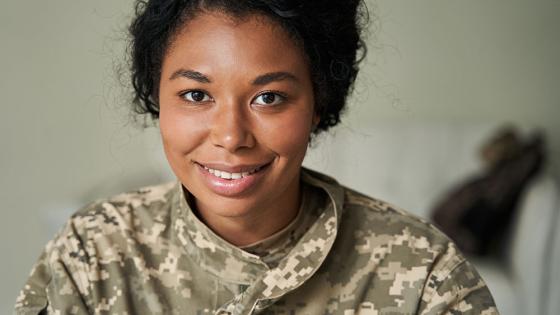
(315, 121)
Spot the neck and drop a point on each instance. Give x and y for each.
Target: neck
(256, 224)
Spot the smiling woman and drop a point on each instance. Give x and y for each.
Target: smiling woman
(239, 87)
(236, 124)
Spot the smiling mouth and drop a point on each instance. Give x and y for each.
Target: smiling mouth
(233, 175)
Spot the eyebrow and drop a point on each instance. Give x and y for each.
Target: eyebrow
(190, 74)
(274, 76)
(260, 80)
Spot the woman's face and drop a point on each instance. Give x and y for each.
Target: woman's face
(236, 112)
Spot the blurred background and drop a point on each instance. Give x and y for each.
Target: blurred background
(441, 78)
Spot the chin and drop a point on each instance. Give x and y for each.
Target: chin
(230, 207)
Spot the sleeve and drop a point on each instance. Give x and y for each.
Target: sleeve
(54, 284)
(456, 288)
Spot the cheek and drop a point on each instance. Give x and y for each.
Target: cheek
(180, 133)
(289, 136)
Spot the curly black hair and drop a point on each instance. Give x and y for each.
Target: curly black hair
(328, 30)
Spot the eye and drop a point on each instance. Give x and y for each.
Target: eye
(196, 96)
(269, 98)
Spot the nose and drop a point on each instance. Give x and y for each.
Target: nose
(231, 129)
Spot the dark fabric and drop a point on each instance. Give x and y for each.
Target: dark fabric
(477, 214)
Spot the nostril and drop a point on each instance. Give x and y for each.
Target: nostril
(231, 127)
(232, 138)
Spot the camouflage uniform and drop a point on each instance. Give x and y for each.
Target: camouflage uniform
(147, 253)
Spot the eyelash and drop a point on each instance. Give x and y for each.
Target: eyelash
(184, 96)
(282, 97)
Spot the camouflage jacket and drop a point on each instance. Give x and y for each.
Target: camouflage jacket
(147, 253)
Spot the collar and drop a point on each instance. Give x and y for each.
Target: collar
(277, 246)
(232, 264)
(208, 250)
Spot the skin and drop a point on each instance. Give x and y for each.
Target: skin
(236, 93)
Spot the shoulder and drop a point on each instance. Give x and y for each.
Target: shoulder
(387, 219)
(92, 248)
(365, 215)
(107, 226)
(391, 235)
(405, 252)
(148, 197)
(125, 209)
(369, 225)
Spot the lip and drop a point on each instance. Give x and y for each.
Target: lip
(232, 187)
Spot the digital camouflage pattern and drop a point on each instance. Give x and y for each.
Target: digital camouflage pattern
(147, 253)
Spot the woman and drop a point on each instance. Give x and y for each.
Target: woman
(239, 87)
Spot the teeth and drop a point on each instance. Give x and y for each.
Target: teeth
(227, 175)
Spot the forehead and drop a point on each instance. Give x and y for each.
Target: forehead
(213, 39)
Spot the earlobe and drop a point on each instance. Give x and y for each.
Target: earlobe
(315, 121)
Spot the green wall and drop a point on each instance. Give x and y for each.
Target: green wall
(67, 137)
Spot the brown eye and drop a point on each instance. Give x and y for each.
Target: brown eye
(196, 96)
(268, 98)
